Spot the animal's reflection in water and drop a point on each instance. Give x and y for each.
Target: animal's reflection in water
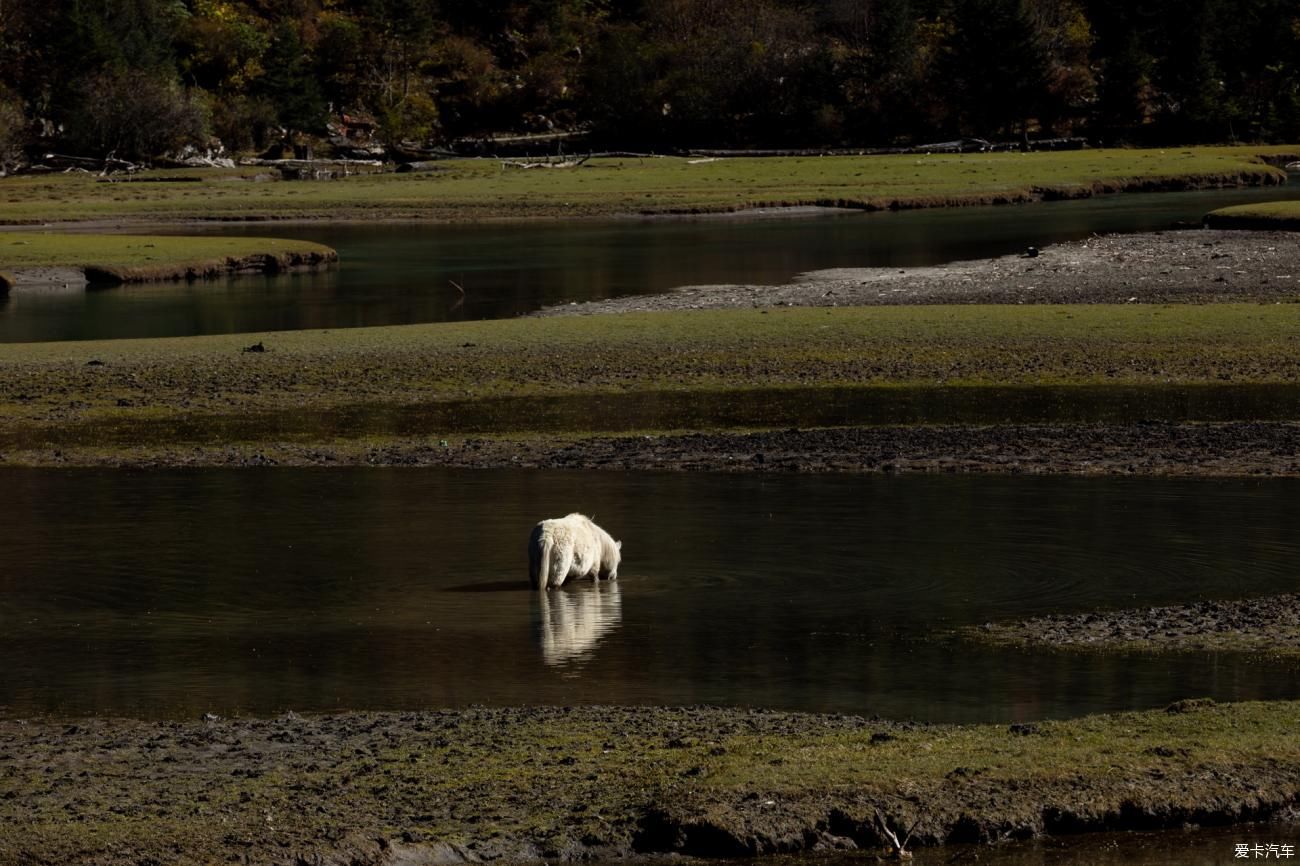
(574, 620)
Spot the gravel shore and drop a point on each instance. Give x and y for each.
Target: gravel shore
(1192, 266)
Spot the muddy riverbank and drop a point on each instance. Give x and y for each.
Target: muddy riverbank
(567, 784)
(1191, 266)
(1246, 448)
(1262, 625)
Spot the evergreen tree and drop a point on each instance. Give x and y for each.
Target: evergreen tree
(996, 67)
(289, 83)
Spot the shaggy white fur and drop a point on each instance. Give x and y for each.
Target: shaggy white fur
(571, 546)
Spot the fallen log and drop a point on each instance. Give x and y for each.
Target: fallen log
(150, 180)
(59, 161)
(564, 163)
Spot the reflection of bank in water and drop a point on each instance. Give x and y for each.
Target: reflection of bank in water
(574, 619)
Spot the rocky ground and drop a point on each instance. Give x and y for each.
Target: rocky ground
(1266, 625)
(48, 279)
(1191, 266)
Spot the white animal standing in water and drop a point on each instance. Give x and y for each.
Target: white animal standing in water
(571, 546)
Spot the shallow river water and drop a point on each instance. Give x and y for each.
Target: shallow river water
(172, 593)
(404, 273)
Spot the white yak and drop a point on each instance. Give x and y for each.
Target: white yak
(571, 546)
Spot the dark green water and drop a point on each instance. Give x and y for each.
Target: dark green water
(172, 593)
(397, 274)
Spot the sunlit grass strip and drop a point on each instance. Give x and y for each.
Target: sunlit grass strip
(150, 256)
(1274, 215)
(482, 189)
(704, 370)
(961, 344)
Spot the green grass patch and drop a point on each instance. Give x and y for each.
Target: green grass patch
(482, 189)
(707, 350)
(701, 370)
(60, 249)
(1273, 215)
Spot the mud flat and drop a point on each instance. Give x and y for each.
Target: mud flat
(1191, 266)
(566, 784)
(1268, 625)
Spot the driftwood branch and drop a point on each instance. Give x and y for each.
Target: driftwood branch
(89, 164)
(900, 848)
(565, 163)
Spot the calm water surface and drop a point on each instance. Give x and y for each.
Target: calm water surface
(172, 593)
(398, 274)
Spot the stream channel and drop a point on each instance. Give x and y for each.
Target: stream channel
(168, 594)
(402, 273)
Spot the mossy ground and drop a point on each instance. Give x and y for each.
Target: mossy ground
(482, 189)
(569, 784)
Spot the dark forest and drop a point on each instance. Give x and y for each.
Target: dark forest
(139, 78)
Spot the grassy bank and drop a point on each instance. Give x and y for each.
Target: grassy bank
(1266, 216)
(607, 782)
(140, 258)
(659, 371)
(482, 189)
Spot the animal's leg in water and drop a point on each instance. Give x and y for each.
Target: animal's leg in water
(561, 572)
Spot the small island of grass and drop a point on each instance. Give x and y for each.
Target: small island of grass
(1264, 216)
(111, 259)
